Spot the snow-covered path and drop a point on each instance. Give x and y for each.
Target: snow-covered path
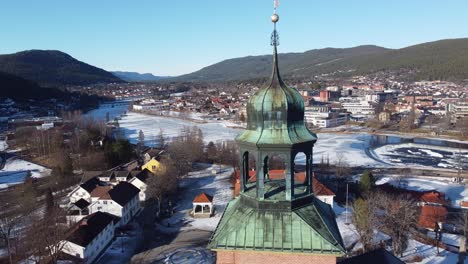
(214, 181)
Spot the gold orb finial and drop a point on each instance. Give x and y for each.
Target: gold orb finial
(275, 18)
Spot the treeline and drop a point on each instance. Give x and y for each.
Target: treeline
(442, 60)
(22, 90)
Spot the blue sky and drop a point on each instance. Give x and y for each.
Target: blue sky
(180, 36)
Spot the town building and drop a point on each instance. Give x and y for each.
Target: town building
(121, 200)
(276, 220)
(90, 236)
(432, 217)
(359, 107)
(152, 165)
(83, 191)
(457, 110)
(151, 105)
(323, 116)
(139, 180)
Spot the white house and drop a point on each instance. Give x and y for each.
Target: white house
(114, 177)
(83, 191)
(121, 200)
(89, 237)
(77, 211)
(322, 192)
(138, 179)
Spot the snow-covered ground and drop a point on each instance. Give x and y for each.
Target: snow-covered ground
(216, 184)
(3, 145)
(132, 123)
(428, 252)
(423, 155)
(123, 247)
(351, 147)
(16, 170)
(456, 192)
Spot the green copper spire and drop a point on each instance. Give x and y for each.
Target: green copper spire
(275, 113)
(276, 214)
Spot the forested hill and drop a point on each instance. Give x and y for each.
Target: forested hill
(17, 88)
(444, 59)
(53, 68)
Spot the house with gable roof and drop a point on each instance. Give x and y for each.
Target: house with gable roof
(139, 180)
(83, 191)
(90, 236)
(121, 200)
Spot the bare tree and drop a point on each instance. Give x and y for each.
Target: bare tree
(163, 184)
(160, 139)
(399, 218)
(187, 148)
(9, 222)
(46, 236)
(463, 222)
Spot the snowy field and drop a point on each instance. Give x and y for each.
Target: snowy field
(16, 170)
(456, 192)
(151, 126)
(352, 146)
(216, 184)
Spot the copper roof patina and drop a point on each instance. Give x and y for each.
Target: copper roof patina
(276, 215)
(275, 114)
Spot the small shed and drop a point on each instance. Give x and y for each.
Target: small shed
(202, 206)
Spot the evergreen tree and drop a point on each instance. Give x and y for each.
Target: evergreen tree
(141, 138)
(49, 199)
(367, 182)
(211, 152)
(67, 166)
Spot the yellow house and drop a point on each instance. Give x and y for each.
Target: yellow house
(152, 165)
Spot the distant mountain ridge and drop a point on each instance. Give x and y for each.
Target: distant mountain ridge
(53, 68)
(444, 59)
(137, 77)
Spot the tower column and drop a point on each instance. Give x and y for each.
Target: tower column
(244, 170)
(260, 183)
(289, 177)
(309, 183)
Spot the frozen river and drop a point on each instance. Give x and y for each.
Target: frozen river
(355, 149)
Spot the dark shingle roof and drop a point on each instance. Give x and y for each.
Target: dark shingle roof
(123, 192)
(82, 203)
(144, 175)
(88, 228)
(90, 184)
(380, 256)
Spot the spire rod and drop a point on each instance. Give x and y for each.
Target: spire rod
(275, 43)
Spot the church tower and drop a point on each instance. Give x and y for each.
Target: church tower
(276, 218)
